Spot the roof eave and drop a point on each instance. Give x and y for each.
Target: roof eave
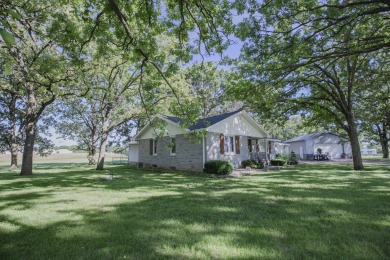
(154, 118)
(136, 137)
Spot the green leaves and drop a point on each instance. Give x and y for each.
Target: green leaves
(8, 38)
(7, 68)
(14, 14)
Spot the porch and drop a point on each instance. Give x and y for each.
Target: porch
(258, 150)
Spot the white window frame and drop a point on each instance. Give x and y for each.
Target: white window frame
(154, 147)
(170, 151)
(231, 140)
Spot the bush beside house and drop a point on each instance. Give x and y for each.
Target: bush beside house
(252, 164)
(278, 162)
(218, 167)
(291, 159)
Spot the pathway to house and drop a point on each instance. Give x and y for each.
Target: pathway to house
(243, 172)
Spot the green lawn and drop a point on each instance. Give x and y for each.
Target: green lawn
(376, 158)
(310, 211)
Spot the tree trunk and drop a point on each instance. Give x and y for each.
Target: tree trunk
(385, 149)
(14, 156)
(91, 155)
(28, 150)
(384, 141)
(356, 153)
(31, 120)
(103, 145)
(13, 142)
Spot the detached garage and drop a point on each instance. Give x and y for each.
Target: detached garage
(306, 146)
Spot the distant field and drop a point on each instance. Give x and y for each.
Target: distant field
(60, 158)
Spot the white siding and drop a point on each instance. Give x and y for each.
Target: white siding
(237, 125)
(331, 144)
(213, 151)
(171, 129)
(281, 148)
(133, 153)
(296, 147)
(366, 151)
(334, 150)
(309, 147)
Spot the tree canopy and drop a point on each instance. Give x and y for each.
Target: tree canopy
(125, 61)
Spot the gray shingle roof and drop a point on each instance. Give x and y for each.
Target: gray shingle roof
(306, 137)
(204, 122)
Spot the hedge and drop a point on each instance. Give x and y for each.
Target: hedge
(278, 162)
(218, 167)
(253, 164)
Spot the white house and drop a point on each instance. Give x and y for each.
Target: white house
(367, 151)
(306, 146)
(276, 147)
(232, 137)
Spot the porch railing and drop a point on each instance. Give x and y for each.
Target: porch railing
(259, 156)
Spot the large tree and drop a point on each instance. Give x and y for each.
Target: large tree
(12, 125)
(374, 108)
(207, 83)
(310, 56)
(78, 119)
(117, 101)
(40, 64)
(325, 92)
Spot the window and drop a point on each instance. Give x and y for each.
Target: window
(154, 147)
(229, 144)
(173, 146)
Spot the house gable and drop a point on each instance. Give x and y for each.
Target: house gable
(170, 129)
(238, 124)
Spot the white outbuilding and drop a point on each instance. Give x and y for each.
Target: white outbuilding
(367, 151)
(306, 146)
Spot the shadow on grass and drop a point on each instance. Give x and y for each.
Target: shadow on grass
(317, 211)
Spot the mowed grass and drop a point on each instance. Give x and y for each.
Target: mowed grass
(376, 158)
(311, 211)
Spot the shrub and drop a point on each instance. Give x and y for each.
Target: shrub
(278, 162)
(253, 164)
(218, 167)
(283, 157)
(293, 158)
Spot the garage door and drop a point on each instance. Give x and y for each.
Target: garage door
(334, 150)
